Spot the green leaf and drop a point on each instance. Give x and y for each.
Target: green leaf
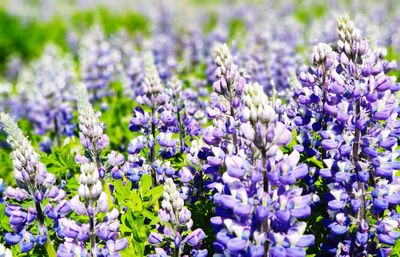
(155, 193)
(316, 162)
(135, 202)
(145, 184)
(49, 248)
(396, 249)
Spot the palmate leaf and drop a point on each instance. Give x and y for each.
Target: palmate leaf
(61, 160)
(141, 215)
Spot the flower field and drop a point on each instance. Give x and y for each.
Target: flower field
(251, 128)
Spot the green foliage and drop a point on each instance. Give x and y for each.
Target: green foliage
(306, 13)
(130, 21)
(117, 116)
(237, 29)
(202, 211)
(211, 23)
(396, 250)
(393, 55)
(141, 215)
(61, 159)
(6, 171)
(27, 38)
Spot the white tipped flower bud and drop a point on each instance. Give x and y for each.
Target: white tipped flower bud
(152, 83)
(268, 114)
(246, 114)
(5, 252)
(173, 202)
(25, 159)
(89, 123)
(90, 185)
(227, 73)
(96, 190)
(253, 113)
(257, 106)
(83, 179)
(178, 204)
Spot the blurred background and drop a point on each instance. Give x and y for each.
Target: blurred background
(27, 25)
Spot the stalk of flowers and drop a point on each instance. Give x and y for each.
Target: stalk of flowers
(188, 109)
(173, 116)
(128, 63)
(91, 135)
(46, 84)
(243, 208)
(97, 63)
(195, 102)
(221, 137)
(163, 49)
(101, 232)
(367, 160)
(306, 111)
(264, 135)
(228, 89)
(25, 204)
(123, 50)
(165, 43)
(348, 100)
(175, 236)
(310, 98)
(157, 123)
(259, 132)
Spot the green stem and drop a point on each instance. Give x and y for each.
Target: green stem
(57, 132)
(104, 183)
(356, 158)
(40, 216)
(181, 131)
(234, 136)
(153, 148)
(265, 225)
(324, 96)
(92, 236)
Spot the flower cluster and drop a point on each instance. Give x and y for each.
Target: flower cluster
(349, 101)
(91, 133)
(158, 119)
(257, 202)
(228, 87)
(35, 187)
(103, 235)
(174, 232)
(222, 137)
